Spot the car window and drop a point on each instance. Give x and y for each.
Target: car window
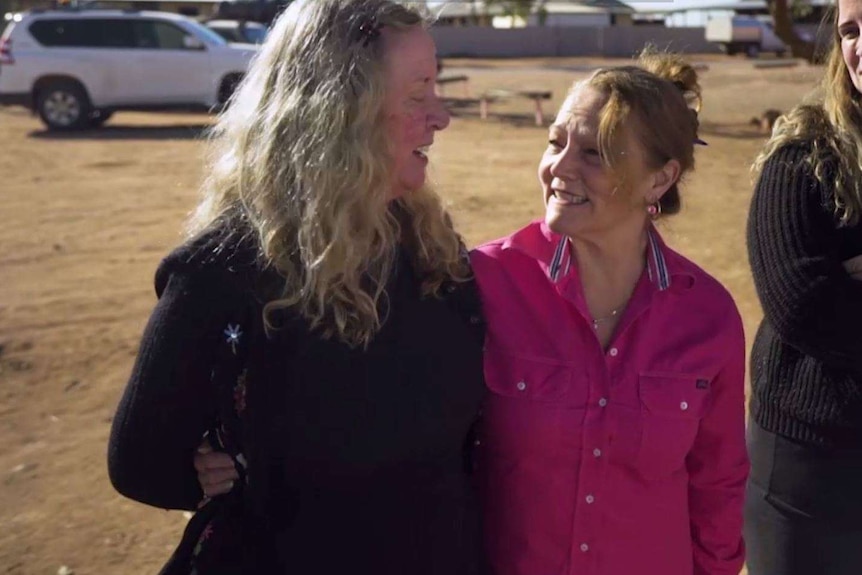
(156, 35)
(58, 33)
(169, 36)
(227, 34)
(205, 33)
(113, 33)
(83, 33)
(255, 35)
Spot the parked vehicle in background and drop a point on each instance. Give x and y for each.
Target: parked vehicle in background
(744, 34)
(263, 11)
(76, 67)
(238, 31)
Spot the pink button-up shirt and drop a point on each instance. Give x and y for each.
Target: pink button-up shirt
(623, 461)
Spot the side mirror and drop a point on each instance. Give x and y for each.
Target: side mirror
(192, 42)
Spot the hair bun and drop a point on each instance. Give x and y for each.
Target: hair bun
(676, 70)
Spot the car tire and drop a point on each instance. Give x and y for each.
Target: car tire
(99, 117)
(752, 51)
(63, 105)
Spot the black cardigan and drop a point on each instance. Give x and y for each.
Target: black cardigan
(806, 363)
(356, 459)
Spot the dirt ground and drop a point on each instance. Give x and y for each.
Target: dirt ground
(88, 216)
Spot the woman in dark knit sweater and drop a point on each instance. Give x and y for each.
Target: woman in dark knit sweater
(325, 276)
(804, 499)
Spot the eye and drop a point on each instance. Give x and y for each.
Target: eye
(848, 33)
(592, 157)
(555, 144)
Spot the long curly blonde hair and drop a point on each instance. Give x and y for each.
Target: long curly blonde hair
(833, 129)
(301, 155)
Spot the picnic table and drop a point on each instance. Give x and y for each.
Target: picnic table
(443, 81)
(537, 96)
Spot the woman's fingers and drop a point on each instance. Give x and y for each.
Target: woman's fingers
(212, 460)
(217, 480)
(218, 488)
(216, 471)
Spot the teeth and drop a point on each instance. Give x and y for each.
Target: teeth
(422, 150)
(569, 197)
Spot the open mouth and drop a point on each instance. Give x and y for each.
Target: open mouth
(569, 197)
(422, 152)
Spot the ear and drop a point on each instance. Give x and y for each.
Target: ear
(663, 179)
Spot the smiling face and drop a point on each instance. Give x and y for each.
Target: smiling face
(412, 109)
(583, 197)
(849, 26)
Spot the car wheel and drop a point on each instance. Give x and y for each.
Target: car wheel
(63, 106)
(99, 117)
(752, 51)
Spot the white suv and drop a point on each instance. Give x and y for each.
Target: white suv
(76, 67)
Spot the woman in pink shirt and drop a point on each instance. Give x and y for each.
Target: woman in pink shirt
(613, 437)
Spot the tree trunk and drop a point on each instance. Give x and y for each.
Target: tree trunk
(783, 22)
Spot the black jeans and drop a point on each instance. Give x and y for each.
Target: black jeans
(803, 508)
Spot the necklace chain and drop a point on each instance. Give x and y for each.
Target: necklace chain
(600, 320)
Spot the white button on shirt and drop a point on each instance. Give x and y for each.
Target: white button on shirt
(585, 547)
(613, 351)
(521, 386)
(603, 402)
(597, 452)
(684, 405)
(590, 498)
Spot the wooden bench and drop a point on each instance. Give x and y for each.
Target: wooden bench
(537, 96)
(443, 81)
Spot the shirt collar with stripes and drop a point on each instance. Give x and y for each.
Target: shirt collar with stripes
(561, 262)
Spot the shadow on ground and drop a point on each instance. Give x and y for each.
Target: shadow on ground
(126, 132)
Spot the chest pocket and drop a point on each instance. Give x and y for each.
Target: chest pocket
(672, 406)
(522, 377)
(530, 407)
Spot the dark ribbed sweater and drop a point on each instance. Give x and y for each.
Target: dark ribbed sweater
(806, 363)
(356, 457)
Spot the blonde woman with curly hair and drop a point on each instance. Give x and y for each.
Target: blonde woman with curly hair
(805, 245)
(320, 326)
(612, 440)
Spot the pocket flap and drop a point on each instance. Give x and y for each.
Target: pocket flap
(517, 376)
(674, 395)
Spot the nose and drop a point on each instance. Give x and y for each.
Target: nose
(438, 117)
(565, 166)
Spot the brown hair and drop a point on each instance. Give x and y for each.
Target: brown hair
(662, 96)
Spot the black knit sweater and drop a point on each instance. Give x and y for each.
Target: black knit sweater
(806, 363)
(356, 457)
